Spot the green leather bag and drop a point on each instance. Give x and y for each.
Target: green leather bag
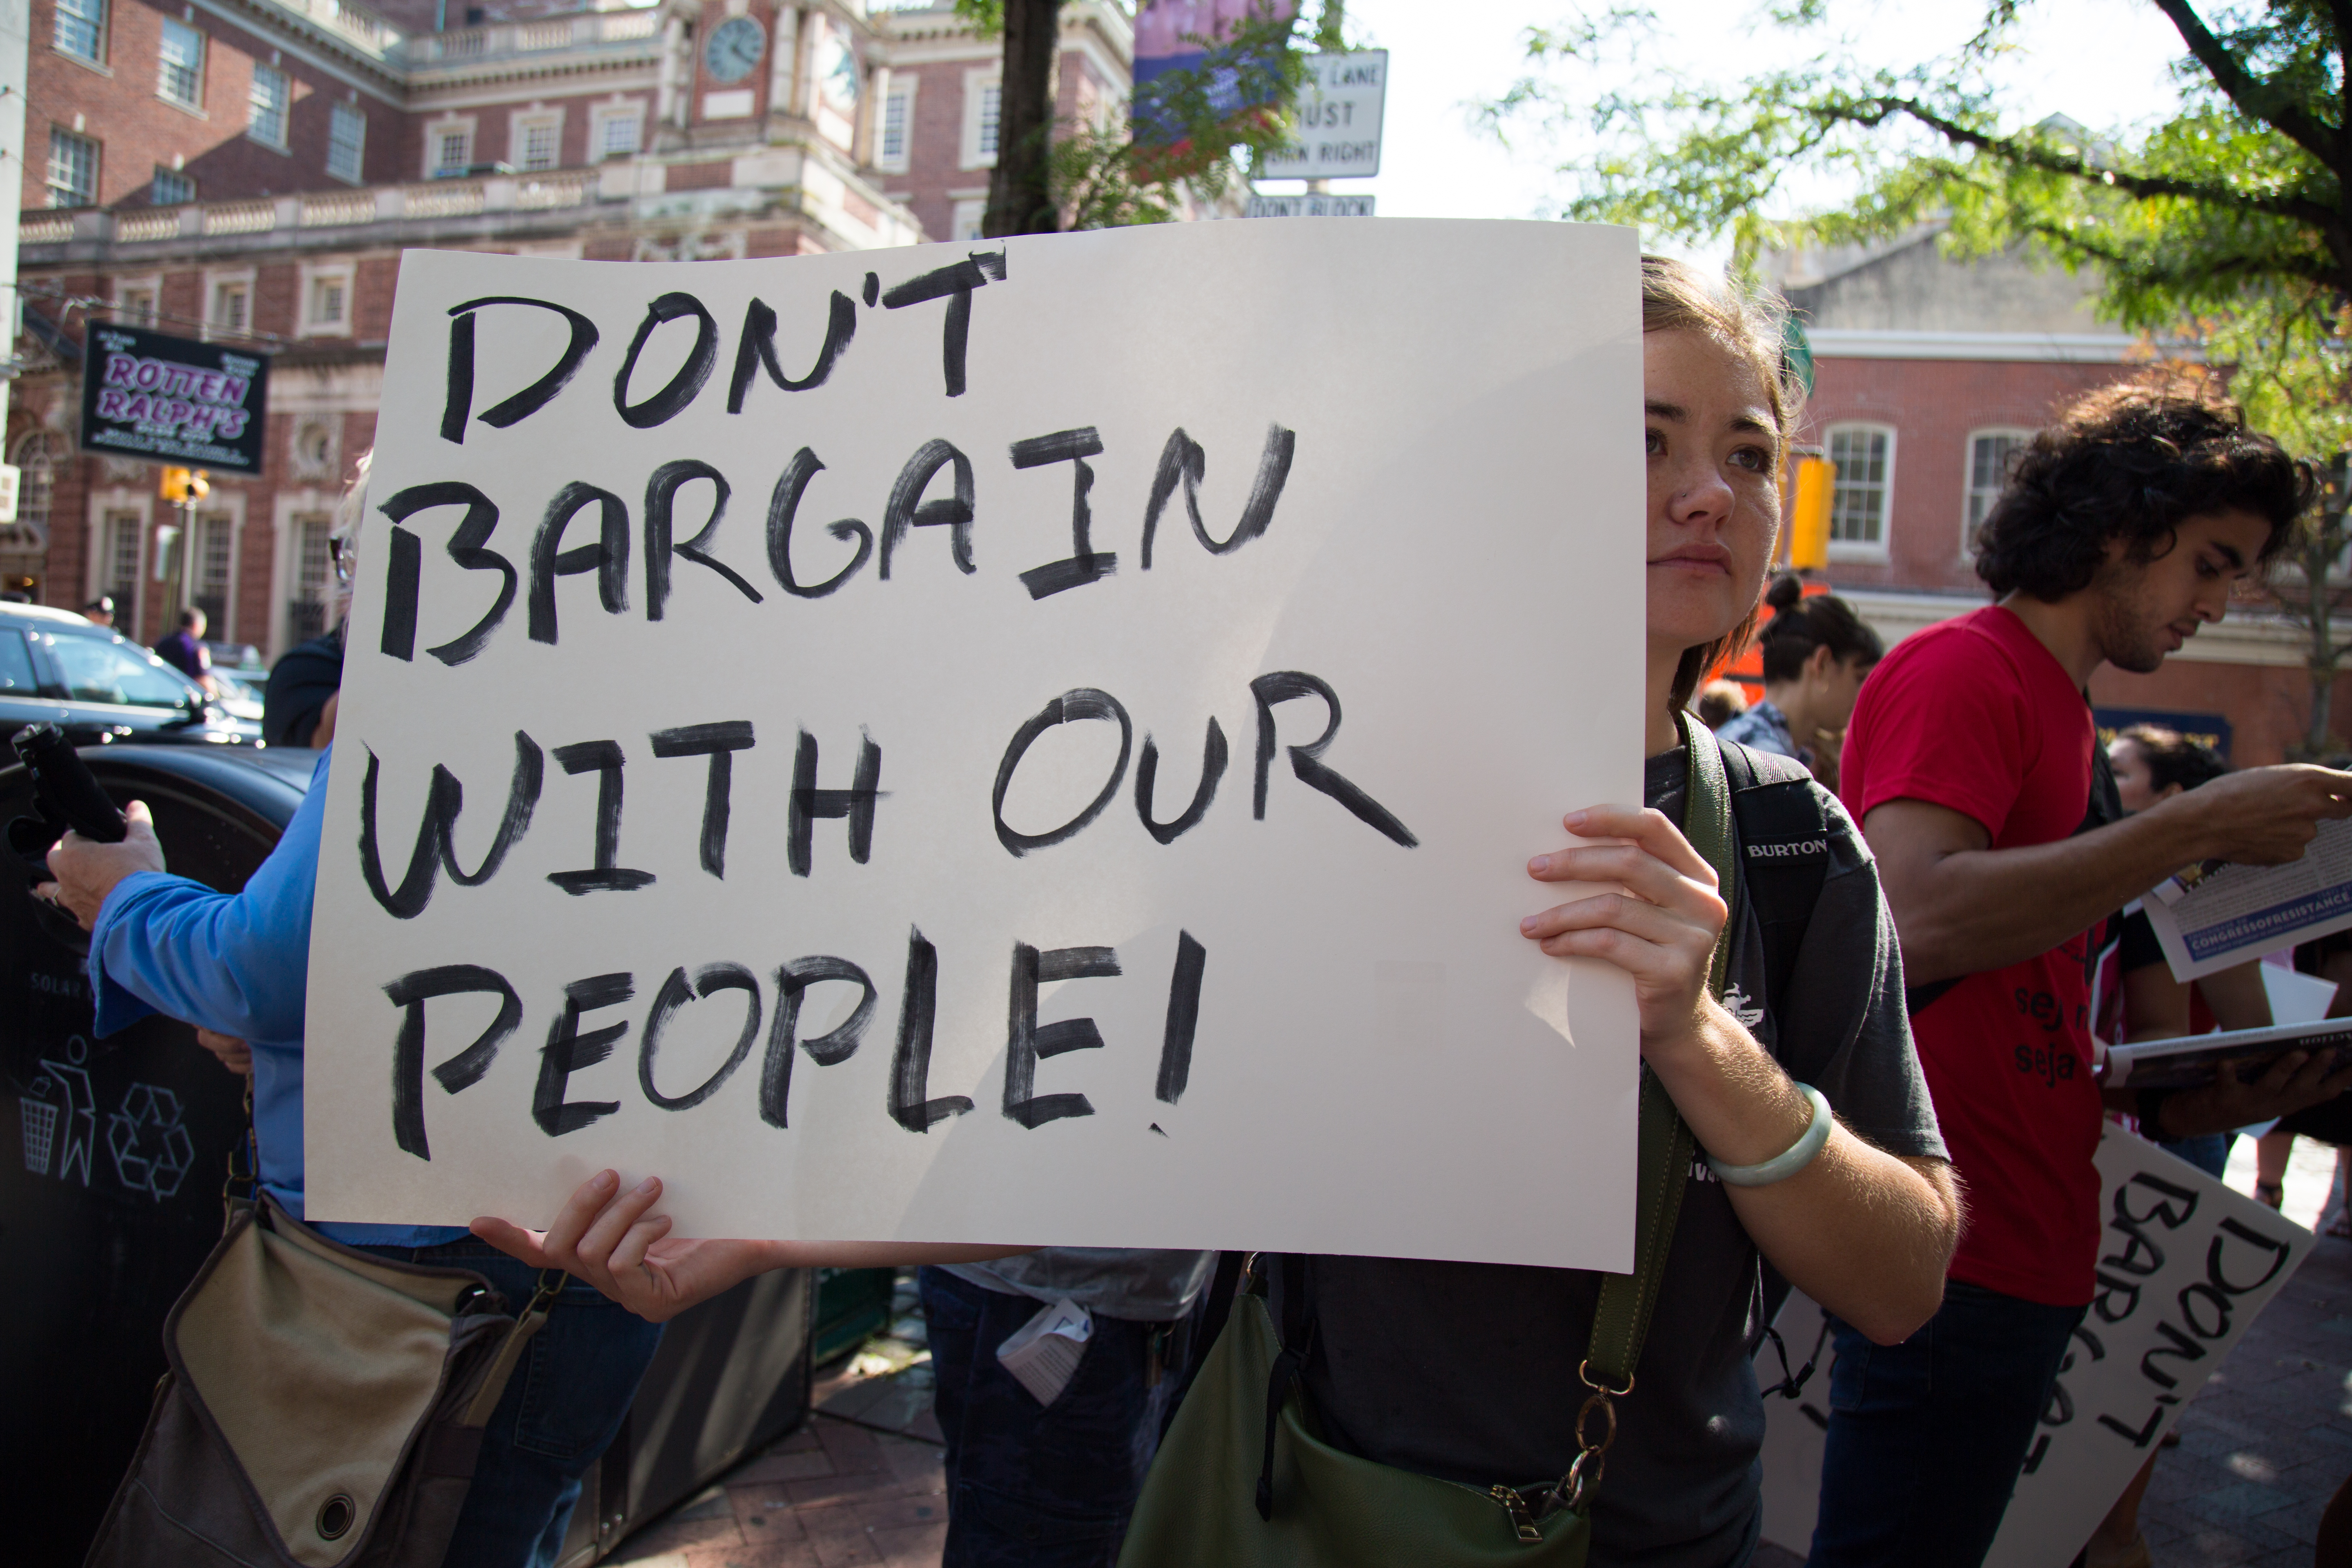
(1244, 1481)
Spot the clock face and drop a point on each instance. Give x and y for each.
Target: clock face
(838, 73)
(734, 48)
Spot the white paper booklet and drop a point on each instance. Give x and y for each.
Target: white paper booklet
(2218, 915)
(2187, 1061)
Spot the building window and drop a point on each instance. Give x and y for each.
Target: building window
(230, 304)
(135, 306)
(1990, 455)
(964, 222)
(180, 75)
(124, 530)
(537, 143)
(314, 589)
(37, 456)
(273, 94)
(992, 101)
(617, 132)
(208, 587)
(346, 142)
(73, 169)
(171, 188)
(81, 28)
(897, 110)
(1864, 456)
(329, 298)
(453, 150)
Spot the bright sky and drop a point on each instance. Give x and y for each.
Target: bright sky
(2104, 62)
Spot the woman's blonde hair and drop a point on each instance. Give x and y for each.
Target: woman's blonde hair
(1751, 322)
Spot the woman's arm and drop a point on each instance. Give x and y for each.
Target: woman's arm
(605, 1236)
(1863, 1232)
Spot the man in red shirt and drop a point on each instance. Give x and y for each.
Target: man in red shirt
(1968, 764)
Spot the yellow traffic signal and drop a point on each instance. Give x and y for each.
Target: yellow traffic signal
(1809, 514)
(200, 485)
(185, 486)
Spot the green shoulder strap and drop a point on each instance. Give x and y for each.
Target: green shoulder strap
(1622, 1319)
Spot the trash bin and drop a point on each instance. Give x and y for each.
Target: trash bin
(112, 1156)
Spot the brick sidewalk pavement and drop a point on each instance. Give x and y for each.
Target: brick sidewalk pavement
(2263, 1448)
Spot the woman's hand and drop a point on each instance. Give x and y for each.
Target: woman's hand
(602, 1236)
(234, 1053)
(1660, 927)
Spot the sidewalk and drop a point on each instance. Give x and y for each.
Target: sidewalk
(2262, 1447)
(860, 1483)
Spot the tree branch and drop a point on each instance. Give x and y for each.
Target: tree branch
(2254, 97)
(2299, 209)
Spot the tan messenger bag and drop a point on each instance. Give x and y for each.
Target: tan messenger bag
(322, 1407)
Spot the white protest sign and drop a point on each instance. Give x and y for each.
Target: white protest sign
(2185, 1264)
(1059, 766)
(1339, 115)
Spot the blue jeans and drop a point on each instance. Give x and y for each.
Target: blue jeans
(1043, 1486)
(2208, 1152)
(1926, 1437)
(559, 1411)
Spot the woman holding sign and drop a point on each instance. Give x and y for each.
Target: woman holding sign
(1789, 1062)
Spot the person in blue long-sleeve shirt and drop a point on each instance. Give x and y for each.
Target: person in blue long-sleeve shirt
(239, 965)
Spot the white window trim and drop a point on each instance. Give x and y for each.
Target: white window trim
(902, 86)
(522, 120)
(99, 62)
(117, 498)
(361, 177)
(232, 502)
(313, 274)
(214, 282)
(1859, 549)
(436, 129)
(974, 80)
(1969, 474)
(286, 115)
(203, 67)
(286, 559)
(153, 283)
(96, 166)
(602, 114)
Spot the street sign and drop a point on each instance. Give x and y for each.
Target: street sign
(149, 394)
(1313, 204)
(1338, 121)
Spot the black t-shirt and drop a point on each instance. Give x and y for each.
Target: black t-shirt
(300, 685)
(1469, 1371)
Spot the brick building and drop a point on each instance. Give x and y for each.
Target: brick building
(1930, 372)
(251, 170)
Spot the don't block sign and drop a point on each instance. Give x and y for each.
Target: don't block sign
(1035, 743)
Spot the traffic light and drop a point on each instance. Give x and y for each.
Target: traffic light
(1809, 514)
(185, 487)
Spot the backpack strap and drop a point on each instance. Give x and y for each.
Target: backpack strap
(1784, 849)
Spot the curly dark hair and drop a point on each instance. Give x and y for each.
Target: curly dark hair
(2131, 462)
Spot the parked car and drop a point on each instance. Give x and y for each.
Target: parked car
(99, 688)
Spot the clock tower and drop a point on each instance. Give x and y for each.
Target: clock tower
(762, 71)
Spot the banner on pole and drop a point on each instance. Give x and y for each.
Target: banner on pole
(901, 745)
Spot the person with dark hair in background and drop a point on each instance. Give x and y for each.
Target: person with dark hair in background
(99, 612)
(1816, 652)
(1720, 703)
(184, 650)
(1973, 766)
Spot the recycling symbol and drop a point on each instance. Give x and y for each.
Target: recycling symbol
(150, 1143)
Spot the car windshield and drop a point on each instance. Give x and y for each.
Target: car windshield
(97, 670)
